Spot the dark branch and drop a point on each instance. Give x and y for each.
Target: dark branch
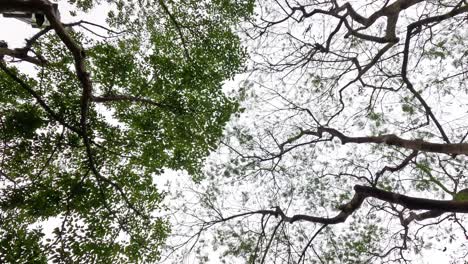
(22, 55)
(393, 140)
(38, 98)
(436, 207)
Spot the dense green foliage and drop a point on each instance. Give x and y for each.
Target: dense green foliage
(156, 104)
(352, 144)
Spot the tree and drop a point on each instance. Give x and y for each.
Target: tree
(107, 108)
(351, 147)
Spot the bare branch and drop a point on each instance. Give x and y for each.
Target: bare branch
(393, 140)
(22, 55)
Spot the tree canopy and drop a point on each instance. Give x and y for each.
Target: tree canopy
(347, 144)
(108, 107)
(351, 142)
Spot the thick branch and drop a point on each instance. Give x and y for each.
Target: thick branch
(412, 203)
(435, 207)
(391, 12)
(393, 140)
(422, 216)
(20, 54)
(46, 7)
(387, 11)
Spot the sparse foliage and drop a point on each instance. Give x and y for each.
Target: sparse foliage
(351, 147)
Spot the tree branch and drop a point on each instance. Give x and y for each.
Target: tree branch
(38, 98)
(22, 55)
(436, 207)
(403, 164)
(404, 68)
(393, 140)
